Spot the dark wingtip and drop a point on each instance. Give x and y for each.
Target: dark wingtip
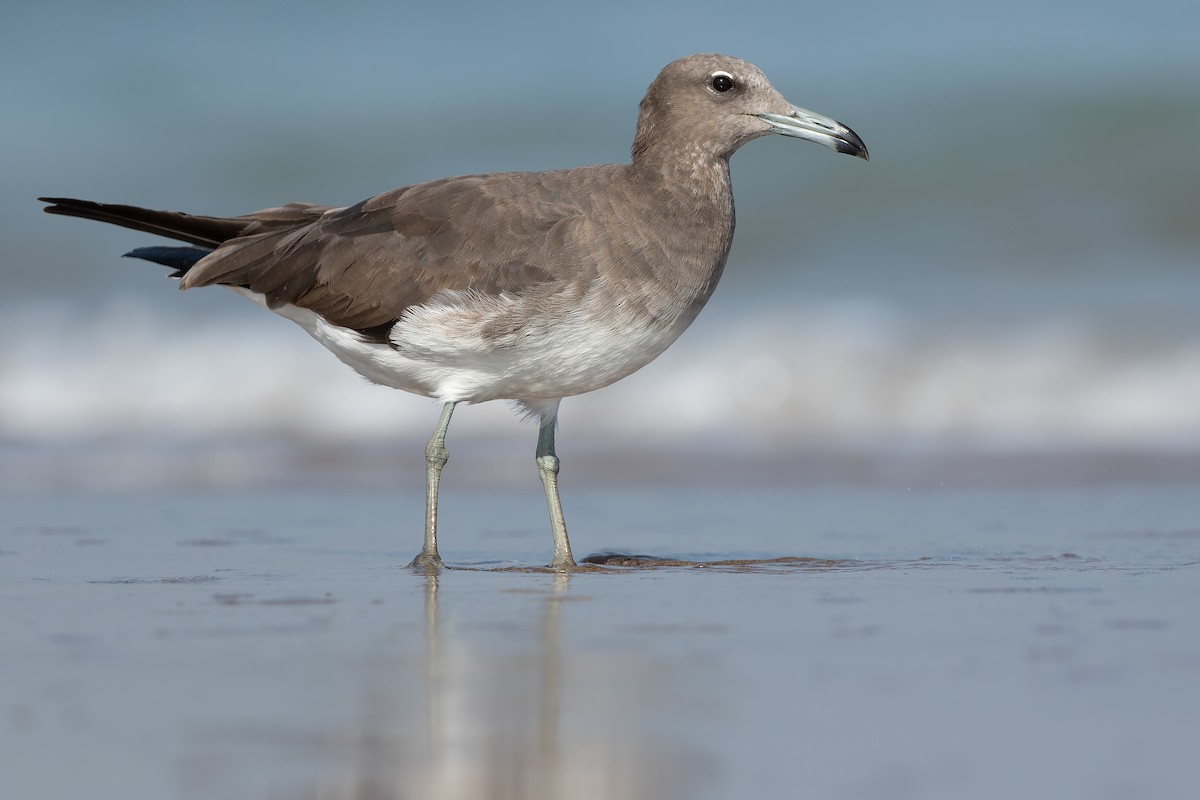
(59, 205)
(180, 259)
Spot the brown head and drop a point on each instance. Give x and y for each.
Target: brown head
(709, 105)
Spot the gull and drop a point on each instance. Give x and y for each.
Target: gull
(520, 286)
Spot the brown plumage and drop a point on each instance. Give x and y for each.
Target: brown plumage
(524, 286)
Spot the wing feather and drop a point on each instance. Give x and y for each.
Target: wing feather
(362, 266)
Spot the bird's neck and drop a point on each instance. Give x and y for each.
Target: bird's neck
(693, 173)
(689, 221)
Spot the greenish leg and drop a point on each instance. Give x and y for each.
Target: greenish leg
(435, 458)
(547, 463)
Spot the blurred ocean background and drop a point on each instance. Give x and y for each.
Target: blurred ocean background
(1016, 270)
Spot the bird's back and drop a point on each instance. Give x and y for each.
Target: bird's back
(541, 235)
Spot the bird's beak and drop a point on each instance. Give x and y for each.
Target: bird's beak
(804, 124)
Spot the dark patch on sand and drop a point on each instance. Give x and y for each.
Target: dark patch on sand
(624, 562)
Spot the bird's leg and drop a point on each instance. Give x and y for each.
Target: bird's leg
(435, 458)
(547, 463)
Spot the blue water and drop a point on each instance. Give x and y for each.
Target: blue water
(1016, 266)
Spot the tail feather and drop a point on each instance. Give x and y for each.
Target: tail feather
(197, 230)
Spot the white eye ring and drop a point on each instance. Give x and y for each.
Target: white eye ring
(721, 81)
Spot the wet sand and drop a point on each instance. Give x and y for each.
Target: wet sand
(854, 641)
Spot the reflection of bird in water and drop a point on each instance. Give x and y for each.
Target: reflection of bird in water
(500, 723)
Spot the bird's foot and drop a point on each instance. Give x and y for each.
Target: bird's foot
(427, 562)
(563, 564)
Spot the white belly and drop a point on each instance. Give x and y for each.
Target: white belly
(450, 350)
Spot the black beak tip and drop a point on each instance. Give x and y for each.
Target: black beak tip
(851, 145)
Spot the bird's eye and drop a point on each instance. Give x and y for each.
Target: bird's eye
(722, 81)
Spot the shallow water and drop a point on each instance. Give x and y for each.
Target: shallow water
(843, 642)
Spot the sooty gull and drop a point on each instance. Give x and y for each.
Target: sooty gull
(520, 286)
